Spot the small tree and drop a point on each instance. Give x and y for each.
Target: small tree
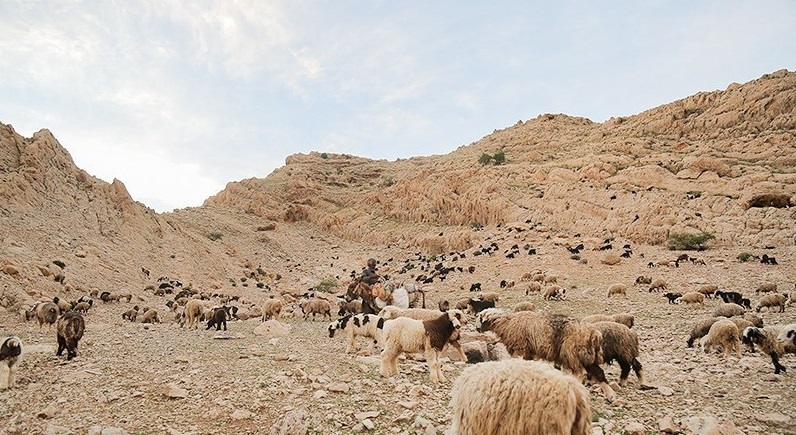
(499, 157)
(484, 159)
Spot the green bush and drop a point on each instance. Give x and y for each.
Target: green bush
(326, 285)
(574, 257)
(215, 235)
(324, 156)
(743, 257)
(499, 158)
(688, 241)
(484, 159)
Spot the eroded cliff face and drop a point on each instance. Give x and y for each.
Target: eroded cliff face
(719, 161)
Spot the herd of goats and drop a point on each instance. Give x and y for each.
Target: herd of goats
(554, 353)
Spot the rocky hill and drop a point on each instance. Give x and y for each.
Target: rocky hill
(722, 162)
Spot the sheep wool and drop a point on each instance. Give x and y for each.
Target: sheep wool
(70, 327)
(723, 333)
(519, 397)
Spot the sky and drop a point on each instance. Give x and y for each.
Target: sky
(178, 98)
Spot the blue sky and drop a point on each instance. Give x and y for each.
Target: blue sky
(177, 98)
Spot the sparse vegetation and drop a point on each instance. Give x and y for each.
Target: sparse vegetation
(574, 257)
(498, 159)
(215, 235)
(743, 257)
(484, 159)
(689, 241)
(324, 156)
(326, 285)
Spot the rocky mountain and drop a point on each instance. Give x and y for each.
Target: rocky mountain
(722, 162)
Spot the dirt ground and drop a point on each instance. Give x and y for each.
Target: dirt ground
(162, 379)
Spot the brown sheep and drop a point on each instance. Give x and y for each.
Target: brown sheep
(489, 296)
(708, 289)
(700, 329)
(525, 306)
(626, 319)
(723, 333)
(192, 313)
(771, 301)
(728, 310)
(272, 308)
(575, 346)
(554, 292)
(70, 327)
(768, 287)
(316, 306)
(620, 343)
(47, 313)
(617, 289)
(691, 298)
(533, 287)
(150, 316)
(657, 285)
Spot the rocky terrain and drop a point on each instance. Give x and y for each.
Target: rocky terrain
(720, 162)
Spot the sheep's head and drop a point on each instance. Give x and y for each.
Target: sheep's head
(459, 315)
(788, 335)
(333, 326)
(751, 335)
(484, 319)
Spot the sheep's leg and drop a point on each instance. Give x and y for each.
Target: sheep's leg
(638, 370)
(389, 365)
(625, 372)
(434, 366)
(61, 346)
(777, 366)
(351, 344)
(12, 376)
(595, 372)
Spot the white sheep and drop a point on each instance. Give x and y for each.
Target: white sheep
(519, 397)
(554, 292)
(787, 336)
(10, 357)
(429, 337)
(728, 310)
(392, 312)
(724, 333)
(316, 306)
(358, 325)
(525, 306)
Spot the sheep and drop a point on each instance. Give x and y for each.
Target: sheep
(272, 308)
(641, 279)
(47, 312)
(554, 292)
(130, 314)
(672, 296)
(519, 397)
(623, 318)
(700, 329)
(728, 297)
(475, 306)
(525, 306)
(691, 298)
(724, 333)
(192, 313)
(391, 312)
(489, 296)
(772, 300)
(218, 318)
(728, 310)
(316, 306)
(462, 304)
(358, 325)
(352, 307)
(573, 345)
(658, 284)
(417, 336)
(533, 287)
(746, 303)
(767, 340)
(70, 327)
(787, 336)
(708, 289)
(444, 305)
(150, 316)
(550, 279)
(83, 307)
(742, 324)
(10, 357)
(620, 343)
(766, 288)
(617, 289)
(754, 318)
(63, 305)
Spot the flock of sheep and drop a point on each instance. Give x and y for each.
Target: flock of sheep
(547, 357)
